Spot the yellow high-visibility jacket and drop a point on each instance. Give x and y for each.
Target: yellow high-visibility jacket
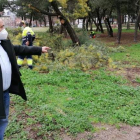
(28, 35)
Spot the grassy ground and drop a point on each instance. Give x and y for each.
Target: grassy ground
(71, 101)
(40, 29)
(130, 57)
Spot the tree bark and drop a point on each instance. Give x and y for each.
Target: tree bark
(112, 20)
(97, 27)
(119, 22)
(63, 30)
(109, 28)
(84, 20)
(122, 19)
(128, 23)
(87, 23)
(31, 16)
(73, 22)
(136, 27)
(91, 24)
(139, 26)
(36, 23)
(66, 24)
(41, 11)
(40, 23)
(50, 24)
(44, 19)
(99, 19)
(106, 24)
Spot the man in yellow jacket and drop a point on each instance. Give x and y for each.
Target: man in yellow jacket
(28, 37)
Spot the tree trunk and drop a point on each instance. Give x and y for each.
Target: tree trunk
(128, 23)
(36, 23)
(139, 26)
(91, 24)
(125, 19)
(119, 23)
(132, 19)
(30, 23)
(50, 24)
(63, 30)
(97, 27)
(73, 22)
(44, 19)
(99, 19)
(112, 20)
(87, 22)
(122, 19)
(78, 21)
(109, 28)
(136, 27)
(66, 24)
(106, 24)
(84, 20)
(40, 23)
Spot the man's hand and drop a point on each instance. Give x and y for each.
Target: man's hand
(45, 49)
(27, 43)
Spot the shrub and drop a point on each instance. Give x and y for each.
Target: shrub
(52, 40)
(84, 57)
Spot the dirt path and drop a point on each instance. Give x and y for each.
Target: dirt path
(125, 132)
(127, 39)
(128, 73)
(108, 132)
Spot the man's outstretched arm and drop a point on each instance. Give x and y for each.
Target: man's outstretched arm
(30, 50)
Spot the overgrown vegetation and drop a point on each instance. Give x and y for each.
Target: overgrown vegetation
(67, 100)
(70, 101)
(90, 54)
(129, 56)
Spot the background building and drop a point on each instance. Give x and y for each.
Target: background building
(9, 18)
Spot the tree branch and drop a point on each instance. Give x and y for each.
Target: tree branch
(42, 11)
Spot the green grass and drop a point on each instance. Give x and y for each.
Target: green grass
(130, 55)
(124, 30)
(40, 29)
(138, 79)
(71, 101)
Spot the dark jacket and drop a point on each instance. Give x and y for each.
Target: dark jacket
(16, 86)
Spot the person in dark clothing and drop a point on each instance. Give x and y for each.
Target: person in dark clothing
(10, 81)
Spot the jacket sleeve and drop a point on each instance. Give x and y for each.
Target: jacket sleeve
(27, 50)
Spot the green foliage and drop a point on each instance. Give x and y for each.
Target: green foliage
(15, 35)
(83, 36)
(130, 55)
(138, 79)
(77, 8)
(84, 57)
(52, 40)
(71, 100)
(90, 55)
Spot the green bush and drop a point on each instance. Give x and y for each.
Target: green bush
(83, 57)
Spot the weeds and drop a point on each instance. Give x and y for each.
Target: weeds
(70, 101)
